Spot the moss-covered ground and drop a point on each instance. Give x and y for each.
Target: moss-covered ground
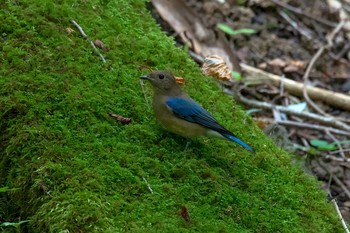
(78, 170)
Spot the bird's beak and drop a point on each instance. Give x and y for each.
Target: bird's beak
(144, 77)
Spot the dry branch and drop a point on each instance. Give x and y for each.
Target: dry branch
(81, 30)
(312, 126)
(340, 216)
(330, 97)
(311, 116)
(311, 64)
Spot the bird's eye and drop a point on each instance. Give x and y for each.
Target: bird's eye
(161, 76)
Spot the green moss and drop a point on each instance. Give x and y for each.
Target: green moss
(77, 169)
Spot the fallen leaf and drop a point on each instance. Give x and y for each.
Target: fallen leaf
(277, 62)
(184, 214)
(69, 30)
(121, 119)
(262, 66)
(298, 107)
(100, 44)
(216, 67)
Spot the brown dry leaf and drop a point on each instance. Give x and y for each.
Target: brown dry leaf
(297, 63)
(340, 70)
(121, 119)
(69, 30)
(216, 67)
(262, 66)
(180, 80)
(294, 65)
(101, 45)
(277, 62)
(184, 214)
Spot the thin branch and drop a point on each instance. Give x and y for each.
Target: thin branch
(311, 116)
(98, 52)
(306, 80)
(303, 30)
(313, 126)
(337, 159)
(313, 61)
(335, 178)
(337, 151)
(340, 216)
(80, 29)
(331, 36)
(300, 12)
(144, 93)
(149, 186)
(342, 186)
(336, 142)
(86, 37)
(332, 98)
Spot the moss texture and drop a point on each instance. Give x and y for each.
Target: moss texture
(78, 170)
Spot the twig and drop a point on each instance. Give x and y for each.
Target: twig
(282, 85)
(144, 93)
(303, 31)
(149, 186)
(337, 159)
(96, 50)
(121, 119)
(331, 36)
(79, 28)
(335, 178)
(340, 215)
(336, 142)
(311, 64)
(337, 151)
(306, 80)
(313, 126)
(86, 37)
(300, 12)
(332, 98)
(325, 120)
(342, 186)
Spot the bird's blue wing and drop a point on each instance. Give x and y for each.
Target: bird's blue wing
(189, 110)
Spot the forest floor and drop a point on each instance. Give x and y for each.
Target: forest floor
(289, 38)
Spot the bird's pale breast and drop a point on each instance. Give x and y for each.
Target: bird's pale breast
(173, 123)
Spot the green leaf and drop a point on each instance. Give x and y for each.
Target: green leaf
(6, 189)
(341, 142)
(13, 224)
(323, 145)
(236, 75)
(223, 27)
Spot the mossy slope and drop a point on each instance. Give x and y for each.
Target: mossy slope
(79, 170)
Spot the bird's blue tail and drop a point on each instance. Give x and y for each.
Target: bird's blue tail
(238, 141)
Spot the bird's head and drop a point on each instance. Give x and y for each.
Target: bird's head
(163, 82)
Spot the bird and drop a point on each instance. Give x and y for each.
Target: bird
(180, 114)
